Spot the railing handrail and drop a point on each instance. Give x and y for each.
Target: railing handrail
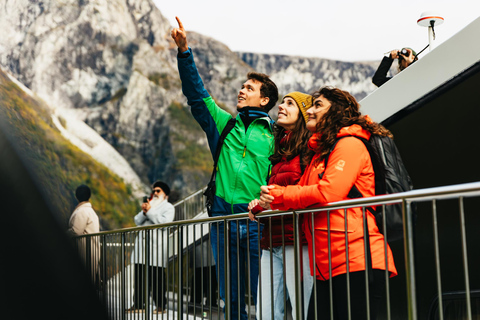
(178, 203)
(466, 189)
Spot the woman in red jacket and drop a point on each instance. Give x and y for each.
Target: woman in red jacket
(290, 157)
(335, 114)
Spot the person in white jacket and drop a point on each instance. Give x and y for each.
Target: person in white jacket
(156, 210)
(83, 221)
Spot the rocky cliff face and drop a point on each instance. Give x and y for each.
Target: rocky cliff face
(293, 73)
(113, 65)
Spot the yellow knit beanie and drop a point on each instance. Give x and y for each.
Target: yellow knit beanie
(303, 100)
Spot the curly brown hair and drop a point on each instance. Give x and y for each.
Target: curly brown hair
(344, 111)
(297, 144)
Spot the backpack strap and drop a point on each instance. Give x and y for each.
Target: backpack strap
(211, 187)
(228, 127)
(378, 168)
(320, 175)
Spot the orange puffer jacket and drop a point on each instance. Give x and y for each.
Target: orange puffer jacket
(349, 164)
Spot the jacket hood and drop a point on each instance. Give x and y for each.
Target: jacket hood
(354, 130)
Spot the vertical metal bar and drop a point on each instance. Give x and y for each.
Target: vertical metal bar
(387, 273)
(185, 216)
(465, 258)
(437, 258)
(314, 262)
(217, 266)
(165, 274)
(155, 287)
(366, 241)
(226, 268)
(122, 274)
(136, 275)
(194, 287)
(180, 273)
(209, 261)
(174, 265)
(147, 274)
(260, 288)
(239, 297)
(330, 282)
(270, 250)
(345, 212)
(409, 261)
(104, 269)
(297, 267)
(247, 277)
(202, 268)
(284, 269)
(117, 280)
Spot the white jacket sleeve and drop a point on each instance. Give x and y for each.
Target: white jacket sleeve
(78, 223)
(162, 214)
(140, 218)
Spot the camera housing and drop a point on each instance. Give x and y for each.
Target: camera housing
(402, 52)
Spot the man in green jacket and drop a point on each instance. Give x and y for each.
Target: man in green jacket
(243, 165)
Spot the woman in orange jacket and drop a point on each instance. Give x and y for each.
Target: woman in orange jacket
(335, 114)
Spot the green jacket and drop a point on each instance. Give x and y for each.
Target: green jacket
(243, 164)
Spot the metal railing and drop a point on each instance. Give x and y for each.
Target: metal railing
(439, 248)
(190, 207)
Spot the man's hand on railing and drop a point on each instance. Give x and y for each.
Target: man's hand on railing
(251, 206)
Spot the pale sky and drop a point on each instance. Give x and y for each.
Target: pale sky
(347, 30)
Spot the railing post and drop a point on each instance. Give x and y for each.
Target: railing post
(103, 277)
(122, 268)
(146, 289)
(465, 260)
(437, 259)
(409, 260)
(227, 270)
(297, 251)
(180, 273)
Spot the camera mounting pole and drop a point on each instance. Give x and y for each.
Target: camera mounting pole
(430, 19)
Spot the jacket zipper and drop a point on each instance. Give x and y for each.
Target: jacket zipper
(241, 164)
(247, 138)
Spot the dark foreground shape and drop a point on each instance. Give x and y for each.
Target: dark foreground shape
(42, 275)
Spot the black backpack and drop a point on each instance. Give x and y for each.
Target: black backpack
(390, 177)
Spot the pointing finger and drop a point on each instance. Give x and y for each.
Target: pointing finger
(180, 24)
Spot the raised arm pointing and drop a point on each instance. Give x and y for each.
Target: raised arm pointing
(180, 36)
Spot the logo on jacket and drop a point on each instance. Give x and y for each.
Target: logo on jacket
(340, 164)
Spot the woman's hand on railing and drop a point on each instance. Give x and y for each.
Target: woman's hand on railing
(265, 197)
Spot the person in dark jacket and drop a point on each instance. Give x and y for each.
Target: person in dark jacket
(405, 57)
(243, 167)
(291, 156)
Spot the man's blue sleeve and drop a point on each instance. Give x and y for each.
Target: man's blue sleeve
(211, 118)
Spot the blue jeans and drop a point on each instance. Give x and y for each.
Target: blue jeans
(273, 283)
(239, 276)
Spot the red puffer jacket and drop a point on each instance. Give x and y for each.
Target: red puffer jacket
(284, 173)
(349, 164)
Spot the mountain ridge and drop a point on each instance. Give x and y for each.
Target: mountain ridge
(112, 65)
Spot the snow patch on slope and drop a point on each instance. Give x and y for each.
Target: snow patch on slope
(90, 142)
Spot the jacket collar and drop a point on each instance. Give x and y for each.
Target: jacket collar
(84, 204)
(255, 113)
